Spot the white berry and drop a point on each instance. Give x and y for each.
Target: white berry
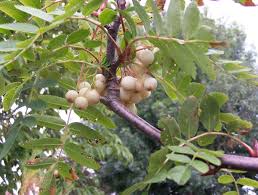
(136, 98)
(71, 95)
(81, 102)
(146, 56)
(99, 86)
(84, 84)
(92, 96)
(150, 84)
(145, 94)
(125, 95)
(100, 77)
(128, 83)
(83, 91)
(139, 85)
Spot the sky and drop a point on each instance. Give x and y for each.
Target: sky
(230, 11)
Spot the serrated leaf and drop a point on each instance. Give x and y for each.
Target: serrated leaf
(84, 131)
(77, 36)
(231, 193)
(234, 123)
(76, 153)
(92, 43)
(91, 6)
(10, 139)
(191, 20)
(188, 118)
(182, 149)
(179, 158)
(64, 170)
(10, 96)
(225, 179)
(200, 166)
(246, 76)
(206, 140)
(43, 143)
(142, 15)
(174, 17)
(221, 98)
(48, 121)
(90, 113)
(171, 130)
(20, 27)
(196, 89)
(210, 112)
(107, 16)
(35, 12)
(29, 121)
(204, 32)
(8, 46)
(180, 174)
(40, 163)
(248, 182)
(8, 8)
(209, 157)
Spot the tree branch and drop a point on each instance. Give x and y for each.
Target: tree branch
(111, 100)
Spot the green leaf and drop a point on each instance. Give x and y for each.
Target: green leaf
(29, 121)
(64, 170)
(246, 76)
(39, 163)
(133, 188)
(143, 15)
(221, 98)
(10, 139)
(191, 20)
(91, 113)
(188, 117)
(179, 158)
(157, 19)
(92, 43)
(231, 193)
(159, 177)
(35, 12)
(10, 97)
(206, 140)
(174, 17)
(171, 130)
(31, 3)
(248, 182)
(209, 157)
(76, 153)
(234, 123)
(91, 6)
(67, 83)
(180, 174)
(47, 121)
(225, 179)
(8, 8)
(107, 16)
(196, 89)
(20, 27)
(84, 131)
(77, 36)
(43, 143)
(2, 85)
(130, 22)
(8, 46)
(210, 112)
(182, 149)
(200, 166)
(204, 33)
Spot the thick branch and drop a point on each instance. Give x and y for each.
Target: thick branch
(113, 103)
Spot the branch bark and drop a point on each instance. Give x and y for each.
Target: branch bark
(111, 100)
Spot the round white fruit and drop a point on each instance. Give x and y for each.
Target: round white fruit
(125, 95)
(83, 91)
(128, 83)
(100, 77)
(146, 56)
(92, 96)
(81, 103)
(71, 95)
(99, 86)
(150, 84)
(84, 84)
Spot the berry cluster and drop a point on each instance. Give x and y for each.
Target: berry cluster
(87, 95)
(134, 89)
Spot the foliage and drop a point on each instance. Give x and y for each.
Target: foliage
(47, 46)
